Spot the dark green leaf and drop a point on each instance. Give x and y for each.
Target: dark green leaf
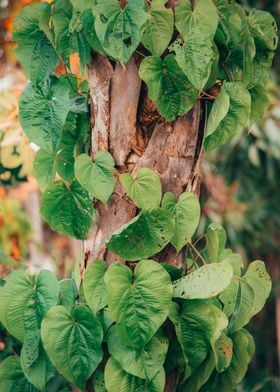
(12, 378)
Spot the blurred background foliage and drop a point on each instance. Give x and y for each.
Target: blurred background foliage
(240, 190)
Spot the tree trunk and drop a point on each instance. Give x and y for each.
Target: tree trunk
(126, 123)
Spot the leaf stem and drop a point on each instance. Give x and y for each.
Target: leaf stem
(197, 252)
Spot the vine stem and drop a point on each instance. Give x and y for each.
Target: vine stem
(196, 251)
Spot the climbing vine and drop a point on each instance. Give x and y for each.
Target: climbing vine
(109, 327)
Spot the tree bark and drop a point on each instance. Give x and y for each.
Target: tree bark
(126, 123)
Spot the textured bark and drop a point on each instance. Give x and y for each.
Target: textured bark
(126, 122)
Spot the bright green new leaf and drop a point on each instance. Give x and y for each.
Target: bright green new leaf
(119, 30)
(96, 177)
(236, 118)
(144, 189)
(138, 303)
(24, 300)
(143, 363)
(195, 56)
(206, 282)
(35, 52)
(227, 380)
(204, 17)
(246, 296)
(198, 327)
(168, 86)
(117, 380)
(43, 123)
(143, 236)
(218, 112)
(34, 361)
(12, 378)
(158, 29)
(186, 212)
(67, 293)
(95, 289)
(223, 352)
(68, 209)
(72, 341)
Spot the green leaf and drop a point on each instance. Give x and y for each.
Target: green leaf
(12, 378)
(218, 112)
(174, 272)
(73, 342)
(143, 236)
(168, 86)
(81, 5)
(34, 361)
(24, 300)
(246, 296)
(99, 382)
(198, 327)
(43, 123)
(117, 380)
(195, 57)
(143, 363)
(67, 209)
(67, 293)
(203, 16)
(96, 177)
(223, 352)
(260, 102)
(264, 29)
(69, 34)
(119, 30)
(140, 303)
(44, 168)
(144, 189)
(35, 52)
(186, 212)
(158, 29)
(227, 380)
(206, 282)
(236, 118)
(215, 243)
(95, 289)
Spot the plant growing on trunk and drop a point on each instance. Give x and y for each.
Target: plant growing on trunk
(118, 166)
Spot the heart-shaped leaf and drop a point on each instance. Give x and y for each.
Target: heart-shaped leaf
(144, 190)
(96, 177)
(68, 209)
(73, 342)
(95, 289)
(140, 303)
(143, 236)
(12, 378)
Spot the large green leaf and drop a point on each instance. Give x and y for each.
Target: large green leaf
(223, 352)
(43, 123)
(95, 289)
(143, 363)
(35, 52)
(96, 177)
(138, 303)
(203, 16)
(168, 86)
(186, 212)
(158, 29)
(12, 378)
(117, 380)
(264, 29)
(119, 30)
(73, 342)
(68, 209)
(70, 36)
(34, 361)
(195, 56)
(144, 189)
(246, 295)
(24, 300)
(143, 236)
(206, 282)
(242, 354)
(198, 327)
(236, 118)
